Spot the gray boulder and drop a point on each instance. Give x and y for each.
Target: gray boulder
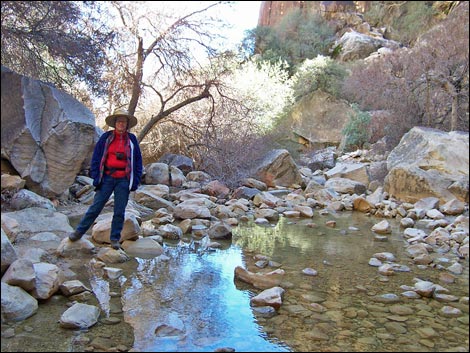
(47, 135)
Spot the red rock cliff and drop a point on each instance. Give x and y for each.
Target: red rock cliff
(271, 12)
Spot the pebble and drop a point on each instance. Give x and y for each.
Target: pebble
(8, 333)
(111, 320)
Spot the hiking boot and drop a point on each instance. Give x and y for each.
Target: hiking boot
(115, 244)
(75, 236)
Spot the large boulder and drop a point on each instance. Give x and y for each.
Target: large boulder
(47, 135)
(355, 45)
(319, 118)
(24, 224)
(17, 304)
(278, 169)
(429, 163)
(183, 163)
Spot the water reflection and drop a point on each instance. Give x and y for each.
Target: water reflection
(190, 303)
(100, 287)
(348, 318)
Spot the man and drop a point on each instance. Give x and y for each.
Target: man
(116, 166)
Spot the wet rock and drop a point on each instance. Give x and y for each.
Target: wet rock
(387, 298)
(111, 320)
(272, 297)
(309, 271)
(265, 311)
(80, 316)
(449, 311)
(262, 281)
(382, 227)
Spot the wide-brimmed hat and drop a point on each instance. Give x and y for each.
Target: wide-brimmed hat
(111, 119)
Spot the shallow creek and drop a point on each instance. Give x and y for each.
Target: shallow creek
(187, 299)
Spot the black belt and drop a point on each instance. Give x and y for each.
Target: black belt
(112, 170)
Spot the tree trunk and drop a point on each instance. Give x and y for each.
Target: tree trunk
(428, 100)
(156, 118)
(454, 113)
(451, 89)
(137, 79)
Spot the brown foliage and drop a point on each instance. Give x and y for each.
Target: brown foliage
(426, 85)
(225, 148)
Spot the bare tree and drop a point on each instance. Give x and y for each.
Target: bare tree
(187, 104)
(426, 85)
(159, 55)
(444, 51)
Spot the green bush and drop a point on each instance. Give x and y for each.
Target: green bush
(320, 73)
(356, 132)
(405, 20)
(297, 37)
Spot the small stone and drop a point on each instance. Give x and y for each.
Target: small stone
(111, 320)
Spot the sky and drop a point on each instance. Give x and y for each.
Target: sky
(244, 16)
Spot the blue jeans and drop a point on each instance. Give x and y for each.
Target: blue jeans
(120, 187)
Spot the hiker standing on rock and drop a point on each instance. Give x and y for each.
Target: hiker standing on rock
(116, 166)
